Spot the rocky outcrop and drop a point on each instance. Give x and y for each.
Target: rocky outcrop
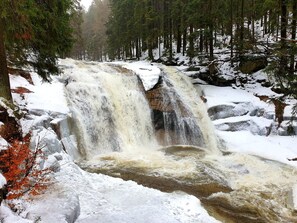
(252, 63)
(226, 111)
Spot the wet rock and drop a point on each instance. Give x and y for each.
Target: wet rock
(61, 127)
(250, 63)
(70, 146)
(173, 122)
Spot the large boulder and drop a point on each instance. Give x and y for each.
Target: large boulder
(245, 125)
(226, 111)
(252, 63)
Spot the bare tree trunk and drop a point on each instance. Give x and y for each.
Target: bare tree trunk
(283, 29)
(231, 23)
(294, 21)
(211, 57)
(4, 78)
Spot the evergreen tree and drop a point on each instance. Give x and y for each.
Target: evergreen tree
(33, 32)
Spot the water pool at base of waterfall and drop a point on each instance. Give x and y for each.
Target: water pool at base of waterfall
(232, 187)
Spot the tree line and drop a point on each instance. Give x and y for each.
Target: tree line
(194, 28)
(34, 33)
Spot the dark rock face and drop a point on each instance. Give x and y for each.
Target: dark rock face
(11, 129)
(3, 193)
(215, 78)
(250, 64)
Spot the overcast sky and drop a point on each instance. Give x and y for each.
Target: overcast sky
(86, 3)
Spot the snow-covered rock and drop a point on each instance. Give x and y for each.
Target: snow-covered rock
(47, 140)
(148, 73)
(226, 111)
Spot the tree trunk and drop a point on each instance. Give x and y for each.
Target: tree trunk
(211, 25)
(4, 78)
(231, 29)
(283, 54)
(294, 21)
(241, 36)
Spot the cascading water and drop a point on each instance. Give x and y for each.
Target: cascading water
(112, 113)
(173, 120)
(110, 110)
(184, 116)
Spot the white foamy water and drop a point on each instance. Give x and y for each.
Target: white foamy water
(109, 109)
(191, 98)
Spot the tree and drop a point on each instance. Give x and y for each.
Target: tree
(36, 33)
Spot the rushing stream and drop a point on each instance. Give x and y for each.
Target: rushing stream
(164, 139)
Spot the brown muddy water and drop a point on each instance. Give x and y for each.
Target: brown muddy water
(231, 187)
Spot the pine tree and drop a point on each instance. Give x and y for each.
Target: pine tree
(33, 32)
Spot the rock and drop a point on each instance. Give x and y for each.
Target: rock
(216, 79)
(226, 111)
(250, 63)
(70, 146)
(173, 122)
(52, 164)
(47, 139)
(61, 127)
(247, 125)
(65, 208)
(193, 68)
(9, 128)
(3, 189)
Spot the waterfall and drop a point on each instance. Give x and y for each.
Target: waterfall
(112, 112)
(181, 118)
(109, 110)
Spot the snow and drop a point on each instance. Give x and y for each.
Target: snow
(89, 197)
(97, 196)
(46, 96)
(278, 148)
(2, 180)
(3, 144)
(148, 73)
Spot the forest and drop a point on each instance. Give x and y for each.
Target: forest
(164, 30)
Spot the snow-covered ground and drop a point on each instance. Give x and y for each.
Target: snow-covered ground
(99, 198)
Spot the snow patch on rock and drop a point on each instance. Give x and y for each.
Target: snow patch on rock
(148, 73)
